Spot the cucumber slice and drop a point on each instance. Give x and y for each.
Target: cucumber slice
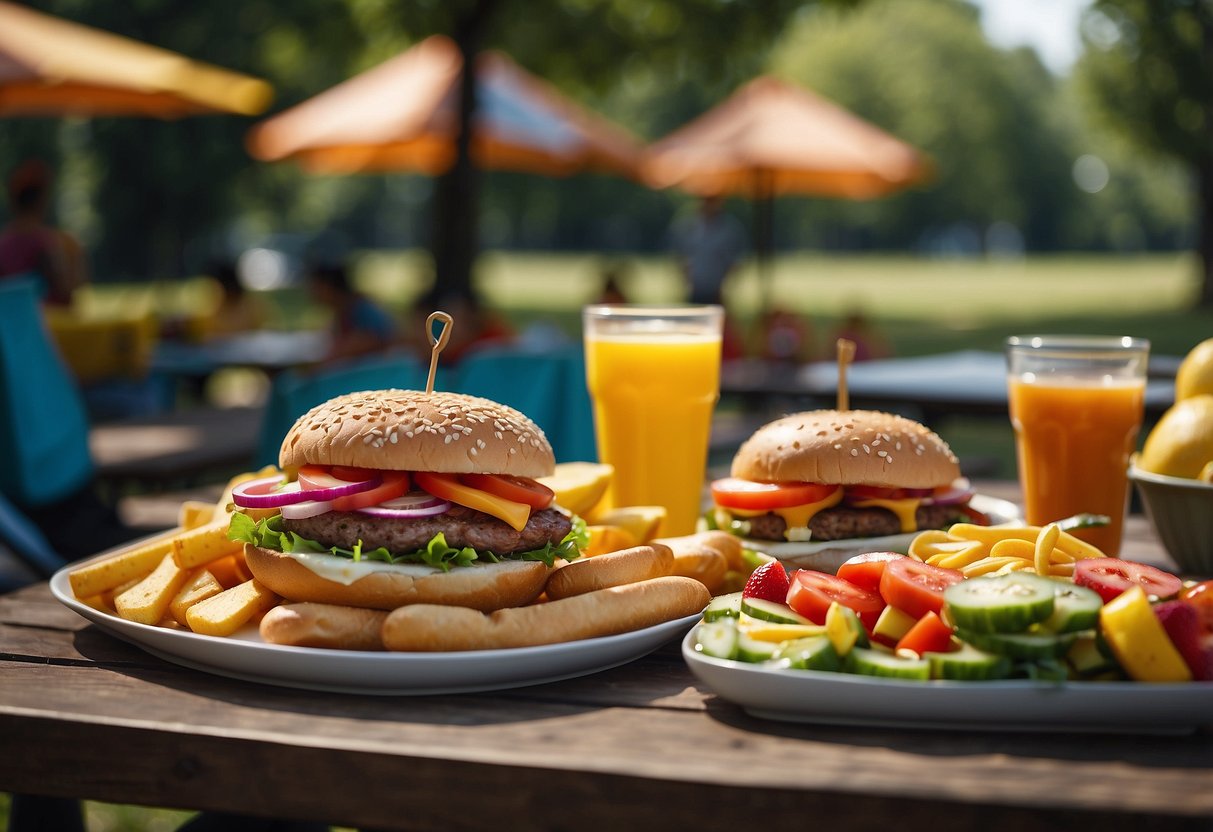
(1075, 608)
(753, 650)
(771, 611)
(726, 606)
(875, 663)
(1087, 659)
(1029, 646)
(1000, 603)
(816, 653)
(968, 664)
(844, 629)
(718, 639)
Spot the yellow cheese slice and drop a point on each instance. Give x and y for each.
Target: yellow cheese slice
(796, 517)
(904, 509)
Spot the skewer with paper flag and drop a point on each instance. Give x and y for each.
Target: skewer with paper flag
(846, 354)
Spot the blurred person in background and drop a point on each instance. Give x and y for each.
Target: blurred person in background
(869, 342)
(785, 337)
(473, 327)
(708, 246)
(359, 325)
(239, 310)
(29, 244)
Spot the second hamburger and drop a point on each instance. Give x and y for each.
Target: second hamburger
(828, 475)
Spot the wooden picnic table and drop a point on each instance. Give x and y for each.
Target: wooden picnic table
(642, 746)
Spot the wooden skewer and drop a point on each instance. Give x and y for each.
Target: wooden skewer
(846, 354)
(437, 342)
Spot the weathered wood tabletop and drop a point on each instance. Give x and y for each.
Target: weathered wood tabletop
(640, 746)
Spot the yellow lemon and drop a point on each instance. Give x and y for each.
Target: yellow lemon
(605, 539)
(642, 521)
(1181, 444)
(1195, 374)
(579, 485)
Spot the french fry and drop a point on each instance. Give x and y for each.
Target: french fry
(198, 587)
(195, 513)
(990, 565)
(230, 570)
(1014, 547)
(147, 601)
(227, 612)
(1043, 553)
(121, 567)
(990, 535)
(205, 544)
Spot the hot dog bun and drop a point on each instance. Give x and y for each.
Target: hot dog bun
(625, 566)
(602, 612)
(324, 625)
(723, 542)
(486, 587)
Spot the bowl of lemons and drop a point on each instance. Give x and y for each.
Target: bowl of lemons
(1174, 471)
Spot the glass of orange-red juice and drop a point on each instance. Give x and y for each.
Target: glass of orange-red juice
(653, 374)
(1076, 406)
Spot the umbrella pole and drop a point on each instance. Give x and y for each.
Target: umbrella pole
(764, 237)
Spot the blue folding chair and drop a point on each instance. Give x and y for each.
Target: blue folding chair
(294, 393)
(547, 385)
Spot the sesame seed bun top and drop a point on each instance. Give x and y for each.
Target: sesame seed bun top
(411, 430)
(850, 447)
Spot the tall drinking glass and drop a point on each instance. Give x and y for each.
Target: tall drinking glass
(654, 376)
(1076, 406)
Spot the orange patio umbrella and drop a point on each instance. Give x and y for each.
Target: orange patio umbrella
(771, 138)
(51, 67)
(404, 115)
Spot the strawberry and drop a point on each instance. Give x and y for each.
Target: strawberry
(769, 582)
(1181, 620)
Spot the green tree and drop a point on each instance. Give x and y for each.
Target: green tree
(1148, 69)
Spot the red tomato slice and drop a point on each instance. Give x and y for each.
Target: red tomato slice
(734, 492)
(929, 635)
(916, 587)
(865, 570)
(875, 492)
(811, 594)
(519, 489)
(1112, 576)
(395, 484)
(1201, 597)
(351, 474)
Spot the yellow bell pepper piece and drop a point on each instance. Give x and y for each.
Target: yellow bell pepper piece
(1139, 641)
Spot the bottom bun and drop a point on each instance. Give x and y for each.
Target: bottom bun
(485, 587)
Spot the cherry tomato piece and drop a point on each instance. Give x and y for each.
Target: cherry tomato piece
(1201, 597)
(865, 570)
(518, 489)
(915, 587)
(929, 635)
(734, 492)
(811, 593)
(1112, 576)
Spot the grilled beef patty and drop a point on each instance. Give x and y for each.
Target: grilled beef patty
(842, 522)
(461, 526)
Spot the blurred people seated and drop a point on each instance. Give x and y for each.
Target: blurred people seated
(359, 325)
(239, 310)
(29, 244)
(868, 340)
(785, 337)
(474, 325)
(613, 273)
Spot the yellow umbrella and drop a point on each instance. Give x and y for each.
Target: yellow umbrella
(404, 115)
(51, 67)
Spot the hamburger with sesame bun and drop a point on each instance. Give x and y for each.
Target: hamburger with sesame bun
(828, 475)
(394, 497)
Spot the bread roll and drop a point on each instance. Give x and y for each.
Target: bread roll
(704, 564)
(324, 625)
(627, 566)
(486, 587)
(723, 542)
(603, 612)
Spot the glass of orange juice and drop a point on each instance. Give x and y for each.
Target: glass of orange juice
(654, 377)
(1076, 406)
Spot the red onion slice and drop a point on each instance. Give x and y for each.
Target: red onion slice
(267, 492)
(960, 492)
(308, 508)
(436, 507)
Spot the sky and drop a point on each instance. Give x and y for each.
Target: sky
(1049, 26)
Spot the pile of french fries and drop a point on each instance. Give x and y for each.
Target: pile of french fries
(996, 550)
(191, 577)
